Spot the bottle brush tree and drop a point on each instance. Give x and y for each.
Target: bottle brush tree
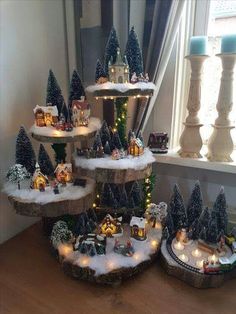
(25, 155)
(195, 204)
(111, 49)
(54, 94)
(76, 89)
(44, 161)
(177, 209)
(220, 208)
(97, 142)
(133, 54)
(105, 134)
(99, 71)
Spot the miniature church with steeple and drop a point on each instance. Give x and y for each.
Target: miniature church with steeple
(119, 70)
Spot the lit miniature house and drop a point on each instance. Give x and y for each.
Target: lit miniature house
(136, 147)
(118, 71)
(63, 173)
(110, 226)
(39, 180)
(138, 230)
(45, 115)
(80, 112)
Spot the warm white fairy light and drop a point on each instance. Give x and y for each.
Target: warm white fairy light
(178, 246)
(154, 243)
(84, 261)
(111, 265)
(137, 256)
(183, 258)
(196, 253)
(65, 249)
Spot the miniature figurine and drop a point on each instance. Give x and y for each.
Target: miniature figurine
(126, 250)
(63, 173)
(39, 180)
(46, 115)
(157, 143)
(134, 78)
(118, 71)
(138, 230)
(80, 112)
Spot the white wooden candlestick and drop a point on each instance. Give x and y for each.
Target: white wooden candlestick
(190, 140)
(220, 144)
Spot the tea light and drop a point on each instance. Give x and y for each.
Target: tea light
(183, 258)
(196, 253)
(178, 246)
(199, 264)
(213, 258)
(65, 249)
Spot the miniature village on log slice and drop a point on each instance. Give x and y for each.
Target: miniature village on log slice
(96, 207)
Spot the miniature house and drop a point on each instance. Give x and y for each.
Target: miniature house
(39, 180)
(138, 230)
(110, 226)
(45, 115)
(136, 147)
(118, 71)
(63, 173)
(80, 112)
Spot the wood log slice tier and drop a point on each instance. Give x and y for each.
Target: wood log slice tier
(114, 277)
(63, 139)
(137, 92)
(193, 278)
(52, 209)
(116, 176)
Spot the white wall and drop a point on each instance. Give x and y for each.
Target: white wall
(32, 41)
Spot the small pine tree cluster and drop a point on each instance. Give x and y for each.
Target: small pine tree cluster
(86, 223)
(201, 222)
(116, 196)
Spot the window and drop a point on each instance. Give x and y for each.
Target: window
(222, 21)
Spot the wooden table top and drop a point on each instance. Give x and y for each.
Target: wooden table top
(31, 281)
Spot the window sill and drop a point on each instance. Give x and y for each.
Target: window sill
(172, 158)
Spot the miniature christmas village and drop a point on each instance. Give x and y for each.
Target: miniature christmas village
(197, 239)
(96, 208)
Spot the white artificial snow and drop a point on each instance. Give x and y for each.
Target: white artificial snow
(94, 125)
(130, 162)
(124, 87)
(69, 192)
(103, 264)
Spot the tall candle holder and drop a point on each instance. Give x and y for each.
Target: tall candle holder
(190, 140)
(220, 144)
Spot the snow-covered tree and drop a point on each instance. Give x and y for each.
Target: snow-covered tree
(116, 140)
(25, 155)
(17, 173)
(194, 229)
(111, 49)
(107, 149)
(220, 208)
(97, 142)
(177, 209)
(205, 217)
(54, 94)
(133, 54)
(195, 204)
(76, 89)
(60, 233)
(212, 231)
(44, 161)
(99, 71)
(105, 134)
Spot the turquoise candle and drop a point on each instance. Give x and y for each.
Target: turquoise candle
(228, 44)
(198, 45)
